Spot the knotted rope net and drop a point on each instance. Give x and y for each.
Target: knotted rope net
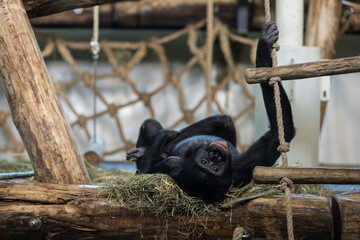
(121, 70)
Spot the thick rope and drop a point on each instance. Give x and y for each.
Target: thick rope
(238, 233)
(284, 146)
(209, 53)
(286, 184)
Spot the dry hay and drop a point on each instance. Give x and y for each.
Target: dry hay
(157, 192)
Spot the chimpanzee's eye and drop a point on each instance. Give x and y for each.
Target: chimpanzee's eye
(215, 168)
(203, 161)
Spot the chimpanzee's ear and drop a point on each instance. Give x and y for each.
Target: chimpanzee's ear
(174, 162)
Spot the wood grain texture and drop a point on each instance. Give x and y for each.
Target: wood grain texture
(74, 212)
(35, 109)
(304, 70)
(346, 212)
(307, 175)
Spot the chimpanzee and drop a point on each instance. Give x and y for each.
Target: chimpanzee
(202, 157)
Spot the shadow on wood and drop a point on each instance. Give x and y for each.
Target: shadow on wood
(346, 212)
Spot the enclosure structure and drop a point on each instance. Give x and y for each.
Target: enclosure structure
(53, 209)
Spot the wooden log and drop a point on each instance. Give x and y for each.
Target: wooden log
(346, 212)
(307, 175)
(47, 193)
(304, 70)
(155, 13)
(322, 29)
(40, 8)
(36, 111)
(93, 218)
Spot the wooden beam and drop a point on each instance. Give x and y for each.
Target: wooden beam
(307, 175)
(346, 212)
(322, 29)
(38, 8)
(155, 13)
(35, 109)
(83, 215)
(33, 191)
(304, 70)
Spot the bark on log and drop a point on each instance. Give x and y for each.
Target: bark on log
(307, 175)
(37, 8)
(346, 212)
(35, 109)
(304, 70)
(93, 218)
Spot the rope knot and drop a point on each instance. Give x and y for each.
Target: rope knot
(146, 99)
(82, 121)
(188, 116)
(274, 80)
(113, 110)
(88, 79)
(285, 183)
(242, 233)
(276, 46)
(284, 147)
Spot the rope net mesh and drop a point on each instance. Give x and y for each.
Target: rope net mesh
(120, 70)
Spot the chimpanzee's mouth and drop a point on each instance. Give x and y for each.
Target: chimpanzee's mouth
(222, 144)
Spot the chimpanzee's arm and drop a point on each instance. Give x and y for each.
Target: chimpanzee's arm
(264, 151)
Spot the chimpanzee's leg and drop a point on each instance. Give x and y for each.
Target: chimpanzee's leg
(147, 131)
(218, 125)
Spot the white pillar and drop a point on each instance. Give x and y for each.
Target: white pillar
(303, 94)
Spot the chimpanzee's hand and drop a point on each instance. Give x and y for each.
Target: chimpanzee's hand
(269, 33)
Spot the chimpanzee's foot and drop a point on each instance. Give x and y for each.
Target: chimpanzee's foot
(134, 154)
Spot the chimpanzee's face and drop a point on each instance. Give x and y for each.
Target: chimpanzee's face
(213, 157)
(210, 153)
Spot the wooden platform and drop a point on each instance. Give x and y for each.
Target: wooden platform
(82, 212)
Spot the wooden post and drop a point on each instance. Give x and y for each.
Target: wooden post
(304, 70)
(35, 109)
(80, 213)
(346, 212)
(307, 175)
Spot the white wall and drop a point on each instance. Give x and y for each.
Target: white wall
(340, 135)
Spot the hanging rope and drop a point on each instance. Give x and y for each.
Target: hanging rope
(95, 48)
(284, 146)
(209, 52)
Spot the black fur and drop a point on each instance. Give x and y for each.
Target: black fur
(202, 158)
